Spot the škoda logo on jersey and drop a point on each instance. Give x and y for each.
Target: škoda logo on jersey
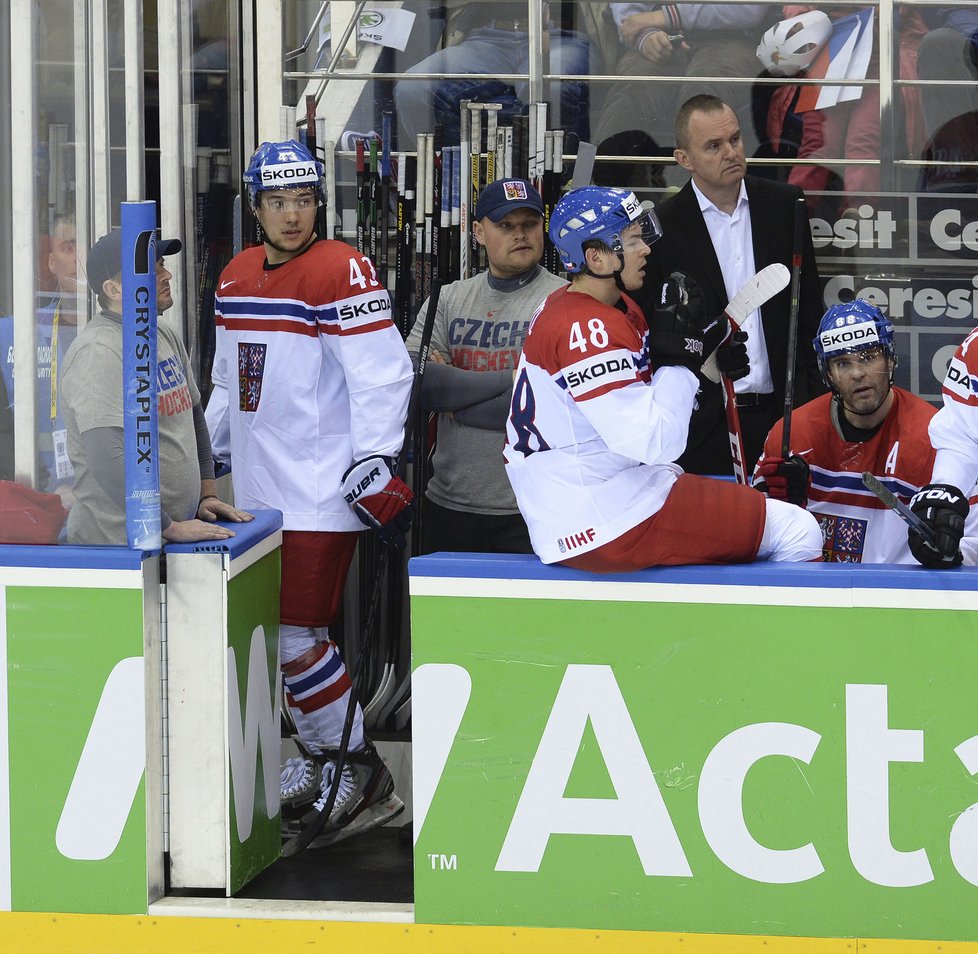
(288, 173)
(960, 382)
(585, 376)
(361, 308)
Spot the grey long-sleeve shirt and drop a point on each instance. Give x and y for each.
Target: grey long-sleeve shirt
(479, 329)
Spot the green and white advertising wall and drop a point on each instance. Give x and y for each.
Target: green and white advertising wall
(758, 750)
(79, 648)
(86, 701)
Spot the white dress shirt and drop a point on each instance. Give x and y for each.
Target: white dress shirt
(734, 246)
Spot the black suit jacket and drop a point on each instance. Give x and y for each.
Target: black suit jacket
(685, 246)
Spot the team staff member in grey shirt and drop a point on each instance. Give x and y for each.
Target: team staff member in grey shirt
(475, 346)
(93, 407)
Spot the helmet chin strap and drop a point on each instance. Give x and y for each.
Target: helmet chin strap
(615, 275)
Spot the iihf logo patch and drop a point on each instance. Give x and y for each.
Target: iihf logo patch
(514, 190)
(251, 370)
(844, 538)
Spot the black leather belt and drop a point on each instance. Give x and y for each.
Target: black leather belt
(754, 400)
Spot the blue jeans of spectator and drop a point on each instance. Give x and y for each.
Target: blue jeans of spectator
(423, 103)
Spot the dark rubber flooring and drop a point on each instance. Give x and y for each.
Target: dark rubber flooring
(375, 866)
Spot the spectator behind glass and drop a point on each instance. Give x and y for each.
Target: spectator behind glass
(689, 39)
(851, 130)
(493, 38)
(950, 52)
(57, 324)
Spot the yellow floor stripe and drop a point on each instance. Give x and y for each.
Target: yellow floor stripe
(104, 934)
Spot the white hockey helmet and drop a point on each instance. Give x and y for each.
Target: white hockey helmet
(791, 45)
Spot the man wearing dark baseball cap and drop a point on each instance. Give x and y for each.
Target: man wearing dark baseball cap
(105, 263)
(475, 345)
(92, 394)
(504, 196)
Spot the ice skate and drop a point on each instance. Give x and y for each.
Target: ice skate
(365, 799)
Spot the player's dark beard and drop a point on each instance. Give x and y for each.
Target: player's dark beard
(267, 239)
(879, 404)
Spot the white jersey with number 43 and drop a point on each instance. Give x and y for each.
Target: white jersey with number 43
(310, 373)
(592, 433)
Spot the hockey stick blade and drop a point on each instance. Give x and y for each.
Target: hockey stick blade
(756, 291)
(900, 509)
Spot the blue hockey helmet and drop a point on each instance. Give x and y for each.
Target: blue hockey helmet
(851, 327)
(596, 212)
(283, 165)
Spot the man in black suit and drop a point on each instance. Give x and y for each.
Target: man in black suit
(721, 228)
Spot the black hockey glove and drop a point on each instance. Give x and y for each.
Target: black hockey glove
(732, 357)
(379, 498)
(679, 333)
(788, 480)
(944, 509)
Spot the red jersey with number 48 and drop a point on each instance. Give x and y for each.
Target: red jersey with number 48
(592, 434)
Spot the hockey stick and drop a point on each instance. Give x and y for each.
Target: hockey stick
(445, 219)
(315, 821)
(429, 214)
(361, 197)
(454, 243)
(465, 189)
(402, 255)
(387, 126)
(421, 188)
(755, 292)
(900, 509)
(475, 146)
(373, 198)
(789, 381)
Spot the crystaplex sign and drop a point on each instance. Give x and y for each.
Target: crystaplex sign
(741, 769)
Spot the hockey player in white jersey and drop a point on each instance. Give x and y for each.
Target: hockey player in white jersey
(954, 433)
(865, 424)
(601, 408)
(311, 387)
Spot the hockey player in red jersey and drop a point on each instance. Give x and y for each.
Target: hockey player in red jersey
(601, 407)
(311, 387)
(954, 433)
(864, 424)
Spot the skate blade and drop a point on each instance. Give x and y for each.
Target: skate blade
(371, 817)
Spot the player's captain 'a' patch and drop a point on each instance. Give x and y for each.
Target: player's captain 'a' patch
(251, 370)
(844, 538)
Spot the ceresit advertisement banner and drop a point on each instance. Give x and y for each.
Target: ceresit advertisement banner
(914, 257)
(752, 752)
